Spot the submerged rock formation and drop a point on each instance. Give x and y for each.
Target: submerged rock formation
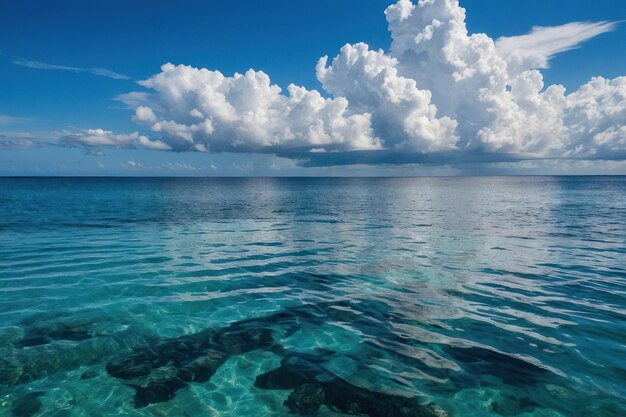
(313, 387)
(158, 368)
(157, 372)
(27, 405)
(22, 364)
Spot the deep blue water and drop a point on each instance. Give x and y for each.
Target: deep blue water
(464, 297)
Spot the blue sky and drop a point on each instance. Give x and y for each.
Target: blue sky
(53, 88)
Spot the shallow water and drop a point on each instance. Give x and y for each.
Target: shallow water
(476, 296)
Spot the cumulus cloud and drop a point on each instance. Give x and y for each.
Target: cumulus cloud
(596, 118)
(203, 110)
(499, 106)
(439, 92)
(402, 113)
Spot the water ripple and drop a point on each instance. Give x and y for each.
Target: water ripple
(503, 295)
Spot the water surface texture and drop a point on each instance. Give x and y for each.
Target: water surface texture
(271, 297)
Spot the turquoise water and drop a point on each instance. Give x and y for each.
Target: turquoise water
(436, 297)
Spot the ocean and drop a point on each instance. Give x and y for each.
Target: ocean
(464, 296)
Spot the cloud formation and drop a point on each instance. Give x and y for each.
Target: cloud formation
(6, 119)
(439, 90)
(203, 110)
(16, 142)
(103, 72)
(535, 49)
(93, 139)
(401, 112)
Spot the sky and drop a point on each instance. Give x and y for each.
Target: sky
(272, 88)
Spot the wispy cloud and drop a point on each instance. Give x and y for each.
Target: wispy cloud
(18, 140)
(103, 72)
(16, 143)
(542, 43)
(96, 138)
(6, 119)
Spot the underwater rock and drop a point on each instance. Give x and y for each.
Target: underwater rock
(36, 336)
(10, 370)
(162, 386)
(351, 399)
(306, 399)
(202, 368)
(33, 340)
(18, 366)
(163, 383)
(294, 370)
(313, 386)
(510, 406)
(236, 341)
(89, 375)
(27, 405)
(191, 358)
(196, 357)
(10, 334)
(135, 364)
(69, 334)
(510, 369)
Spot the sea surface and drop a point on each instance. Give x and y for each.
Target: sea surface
(429, 297)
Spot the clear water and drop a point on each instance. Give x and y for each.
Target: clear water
(476, 296)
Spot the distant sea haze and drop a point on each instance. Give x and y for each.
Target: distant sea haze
(430, 297)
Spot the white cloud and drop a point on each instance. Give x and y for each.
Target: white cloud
(132, 164)
(202, 110)
(178, 166)
(21, 139)
(401, 112)
(96, 138)
(438, 89)
(596, 118)
(6, 119)
(535, 49)
(103, 72)
(499, 106)
(16, 143)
